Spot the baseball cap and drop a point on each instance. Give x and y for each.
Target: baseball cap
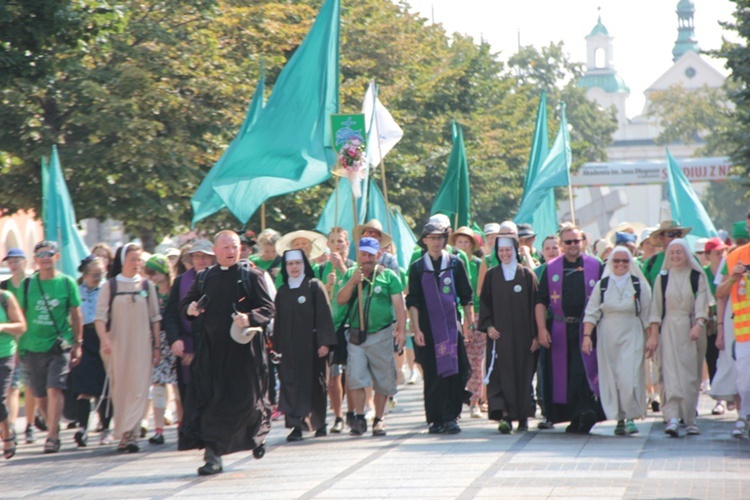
(369, 245)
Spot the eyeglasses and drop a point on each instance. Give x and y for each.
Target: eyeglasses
(620, 261)
(673, 234)
(368, 232)
(572, 242)
(48, 253)
(434, 237)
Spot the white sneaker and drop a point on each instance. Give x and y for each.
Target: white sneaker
(476, 412)
(105, 437)
(413, 378)
(693, 430)
(740, 429)
(672, 428)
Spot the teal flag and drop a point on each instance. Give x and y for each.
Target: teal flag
(59, 218)
(452, 198)
(554, 172)
(205, 201)
(687, 208)
(372, 208)
(289, 147)
(544, 220)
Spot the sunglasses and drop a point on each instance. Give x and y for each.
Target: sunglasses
(572, 242)
(49, 253)
(673, 234)
(620, 261)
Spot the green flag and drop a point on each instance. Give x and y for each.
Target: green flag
(544, 219)
(554, 172)
(205, 201)
(59, 218)
(289, 147)
(687, 208)
(452, 198)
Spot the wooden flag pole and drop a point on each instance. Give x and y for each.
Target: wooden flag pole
(263, 217)
(359, 266)
(380, 153)
(570, 198)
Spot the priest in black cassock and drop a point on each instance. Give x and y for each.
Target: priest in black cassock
(227, 407)
(303, 334)
(438, 281)
(507, 316)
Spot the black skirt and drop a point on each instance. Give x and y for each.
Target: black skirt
(88, 377)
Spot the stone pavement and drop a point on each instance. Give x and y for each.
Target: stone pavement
(408, 463)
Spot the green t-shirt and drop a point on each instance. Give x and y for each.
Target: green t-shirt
(62, 294)
(710, 276)
(338, 312)
(381, 312)
(652, 272)
(260, 263)
(7, 341)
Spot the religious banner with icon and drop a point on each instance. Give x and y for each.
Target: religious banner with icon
(348, 134)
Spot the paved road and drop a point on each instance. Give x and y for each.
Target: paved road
(408, 463)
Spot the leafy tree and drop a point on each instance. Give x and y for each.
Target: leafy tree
(143, 96)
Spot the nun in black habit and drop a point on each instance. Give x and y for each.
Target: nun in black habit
(303, 335)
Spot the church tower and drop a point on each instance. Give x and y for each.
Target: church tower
(686, 40)
(601, 81)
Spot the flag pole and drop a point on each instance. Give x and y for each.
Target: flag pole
(263, 217)
(380, 153)
(570, 198)
(359, 266)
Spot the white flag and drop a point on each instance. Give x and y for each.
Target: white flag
(383, 133)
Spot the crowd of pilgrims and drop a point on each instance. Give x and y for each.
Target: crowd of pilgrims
(245, 330)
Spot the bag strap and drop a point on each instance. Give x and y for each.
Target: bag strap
(4, 301)
(664, 280)
(603, 284)
(637, 287)
(49, 310)
(695, 276)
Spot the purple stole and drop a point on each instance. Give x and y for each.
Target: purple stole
(559, 348)
(440, 300)
(185, 283)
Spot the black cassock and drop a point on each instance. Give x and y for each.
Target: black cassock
(302, 325)
(444, 397)
(227, 407)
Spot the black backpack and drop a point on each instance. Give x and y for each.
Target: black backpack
(694, 278)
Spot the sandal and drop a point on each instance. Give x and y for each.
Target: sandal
(8, 453)
(52, 445)
(718, 409)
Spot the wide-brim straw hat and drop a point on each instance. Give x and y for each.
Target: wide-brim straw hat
(375, 225)
(665, 226)
(318, 243)
(625, 227)
(464, 231)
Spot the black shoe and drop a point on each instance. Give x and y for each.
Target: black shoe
(322, 432)
(350, 419)
(40, 423)
(436, 428)
(209, 469)
(359, 426)
(71, 425)
(81, 437)
(157, 438)
(575, 426)
(144, 431)
(545, 424)
(655, 406)
(452, 427)
(295, 435)
(523, 425)
(588, 420)
(132, 447)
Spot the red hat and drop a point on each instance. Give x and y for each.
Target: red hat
(715, 244)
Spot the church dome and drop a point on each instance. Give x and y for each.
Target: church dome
(599, 29)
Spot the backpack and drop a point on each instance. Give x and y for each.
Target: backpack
(113, 293)
(694, 278)
(636, 284)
